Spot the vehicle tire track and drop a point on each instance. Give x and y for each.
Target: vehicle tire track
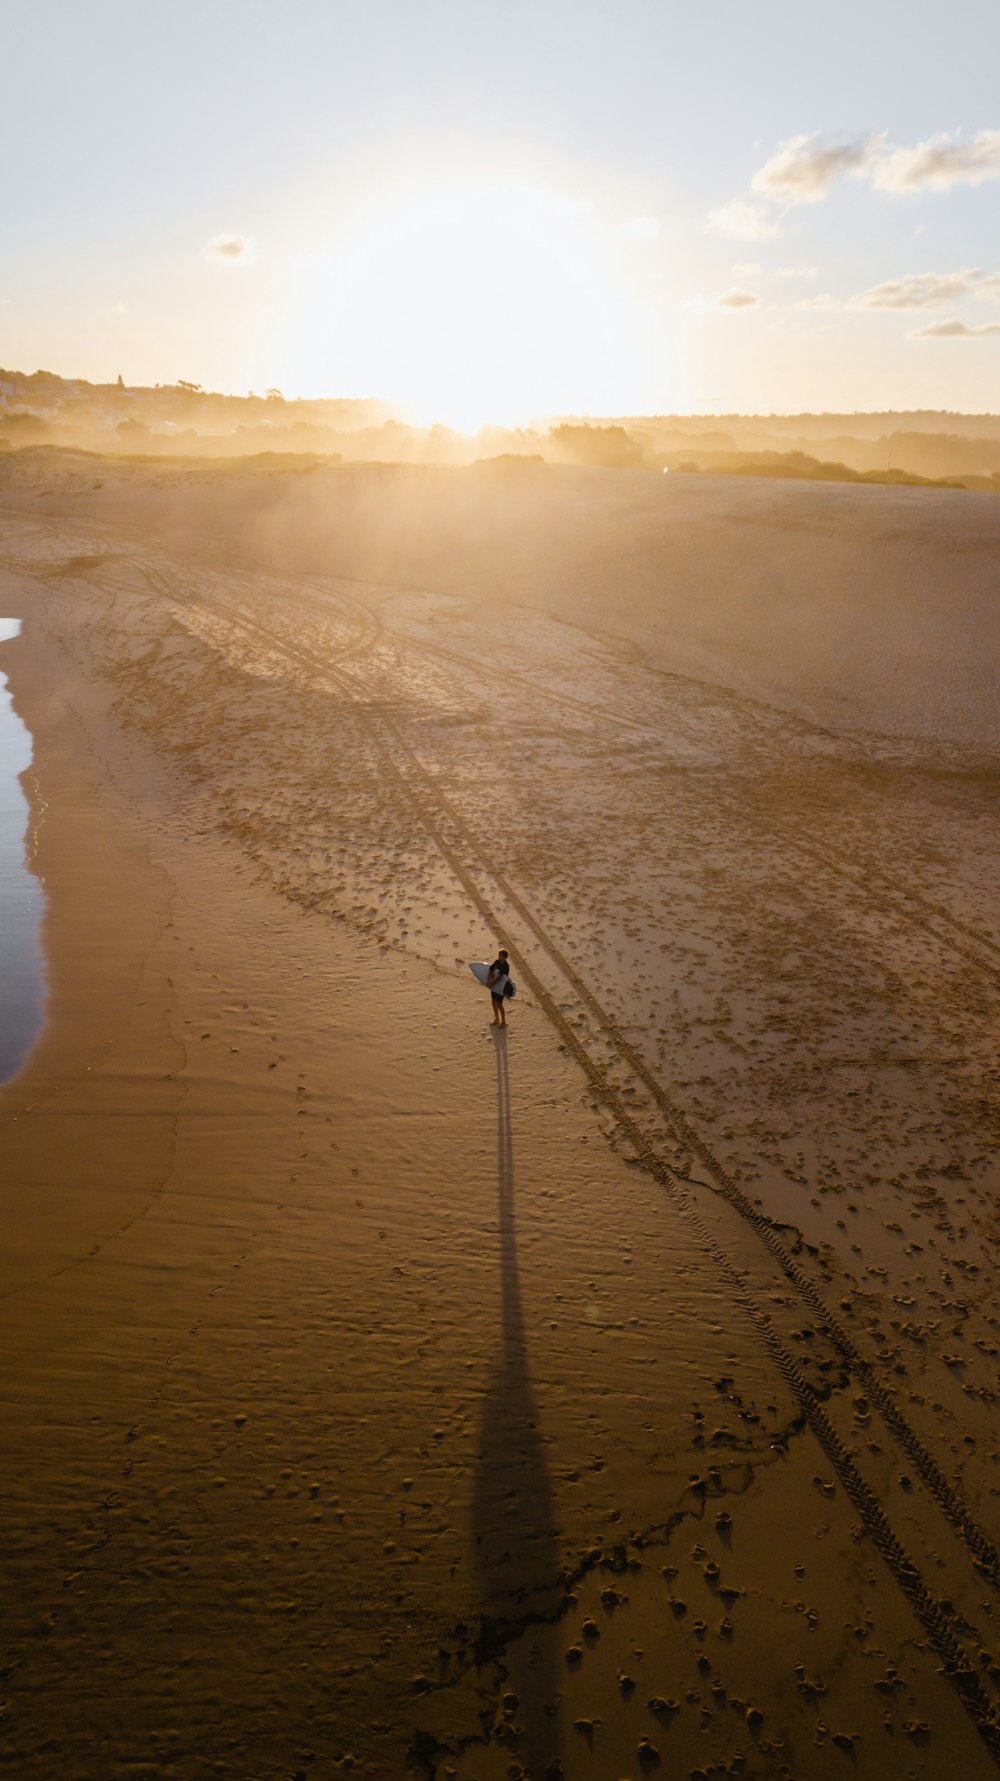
(981, 1548)
(909, 906)
(941, 1626)
(945, 1627)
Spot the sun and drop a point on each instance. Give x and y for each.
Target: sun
(471, 304)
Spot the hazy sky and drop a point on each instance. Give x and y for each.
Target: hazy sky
(510, 209)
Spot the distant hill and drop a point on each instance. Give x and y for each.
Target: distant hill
(41, 407)
(181, 419)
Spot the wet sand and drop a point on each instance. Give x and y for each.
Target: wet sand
(613, 1398)
(21, 964)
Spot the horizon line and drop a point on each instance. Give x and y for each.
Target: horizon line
(193, 389)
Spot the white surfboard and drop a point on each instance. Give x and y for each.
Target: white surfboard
(481, 972)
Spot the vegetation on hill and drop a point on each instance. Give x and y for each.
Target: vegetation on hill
(183, 420)
(799, 465)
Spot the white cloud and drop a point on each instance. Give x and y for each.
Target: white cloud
(743, 220)
(954, 330)
(822, 300)
(796, 272)
(746, 268)
(641, 228)
(737, 299)
(940, 163)
(925, 290)
(231, 250)
(803, 168)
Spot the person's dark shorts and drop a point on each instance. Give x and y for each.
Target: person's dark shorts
(496, 1000)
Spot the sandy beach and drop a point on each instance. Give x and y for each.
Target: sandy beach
(613, 1398)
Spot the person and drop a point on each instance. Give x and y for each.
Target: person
(496, 983)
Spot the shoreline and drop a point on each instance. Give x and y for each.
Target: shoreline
(79, 838)
(22, 904)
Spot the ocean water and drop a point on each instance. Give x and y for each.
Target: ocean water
(22, 975)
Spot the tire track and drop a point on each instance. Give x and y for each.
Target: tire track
(420, 789)
(948, 1631)
(909, 906)
(981, 1548)
(898, 901)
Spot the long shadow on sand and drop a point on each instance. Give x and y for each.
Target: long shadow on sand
(517, 1559)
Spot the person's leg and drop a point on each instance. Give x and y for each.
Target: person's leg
(497, 1010)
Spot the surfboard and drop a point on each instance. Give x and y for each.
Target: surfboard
(481, 972)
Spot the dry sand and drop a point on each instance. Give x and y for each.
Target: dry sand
(613, 1399)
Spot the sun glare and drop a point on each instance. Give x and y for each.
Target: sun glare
(472, 304)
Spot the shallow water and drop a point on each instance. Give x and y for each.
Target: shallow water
(22, 983)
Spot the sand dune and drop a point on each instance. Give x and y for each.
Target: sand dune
(856, 608)
(614, 1399)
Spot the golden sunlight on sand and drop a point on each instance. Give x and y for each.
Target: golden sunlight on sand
(610, 1395)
